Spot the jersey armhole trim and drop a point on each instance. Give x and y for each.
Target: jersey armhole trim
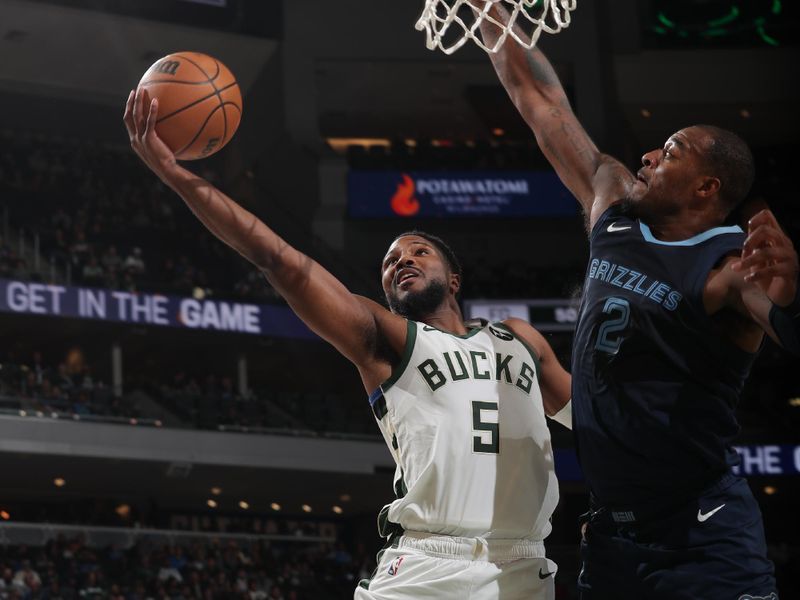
(536, 360)
(601, 220)
(400, 367)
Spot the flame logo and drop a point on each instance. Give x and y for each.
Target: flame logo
(403, 202)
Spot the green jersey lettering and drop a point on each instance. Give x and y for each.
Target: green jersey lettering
(478, 374)
(432, 375)
(525, 381)
(502, 368)
(464, 374)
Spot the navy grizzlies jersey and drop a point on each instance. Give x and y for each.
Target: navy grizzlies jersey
(654, 382)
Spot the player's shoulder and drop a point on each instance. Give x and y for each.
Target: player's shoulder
(612, 182)
(525, 332)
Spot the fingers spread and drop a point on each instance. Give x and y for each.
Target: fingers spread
(152, 117)
(764, 236)
(765, 273)
(137, 111)
(127, 117)
(763, 217)
(762, 257)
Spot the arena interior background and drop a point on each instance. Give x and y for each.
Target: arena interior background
(167, 429)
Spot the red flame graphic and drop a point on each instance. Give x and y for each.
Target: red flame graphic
(403, 202)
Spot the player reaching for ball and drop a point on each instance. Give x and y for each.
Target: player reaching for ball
(201, 104)
(461, 407)
(674, 309)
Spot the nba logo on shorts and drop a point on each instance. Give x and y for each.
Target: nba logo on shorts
(395, 566)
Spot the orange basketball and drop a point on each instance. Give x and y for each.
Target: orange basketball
(199, 103)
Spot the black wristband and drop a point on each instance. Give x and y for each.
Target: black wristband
(794, 307)
(786, 324)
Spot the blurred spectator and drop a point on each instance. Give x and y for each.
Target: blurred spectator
(93, 274)
(235, 570)
(26, 579)
(92, 588)
(80, 248)
(168, 571)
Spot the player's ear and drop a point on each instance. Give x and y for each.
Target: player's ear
(455, 283)
(708, 186)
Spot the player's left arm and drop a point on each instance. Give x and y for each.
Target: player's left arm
(554, 382)
(762, 284)
(769, 260)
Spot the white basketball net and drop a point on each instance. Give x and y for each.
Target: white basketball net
(449, 24)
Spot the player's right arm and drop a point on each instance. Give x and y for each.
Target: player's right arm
(595, 179)
(356, 326)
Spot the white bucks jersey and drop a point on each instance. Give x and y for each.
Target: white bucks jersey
(464, 420)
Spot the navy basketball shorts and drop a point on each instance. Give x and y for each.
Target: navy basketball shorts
(712, 548)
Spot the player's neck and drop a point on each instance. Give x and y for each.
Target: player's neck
(446, 319)
(681, 226)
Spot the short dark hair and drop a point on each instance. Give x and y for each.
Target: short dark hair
(732, 161)
(445, 250)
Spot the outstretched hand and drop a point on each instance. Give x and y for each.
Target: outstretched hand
(141, 114)
(769, 259)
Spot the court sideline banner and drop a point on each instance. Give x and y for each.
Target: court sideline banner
(432, 194)
(31, 298)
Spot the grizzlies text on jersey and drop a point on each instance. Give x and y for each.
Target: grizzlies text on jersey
(654, 383)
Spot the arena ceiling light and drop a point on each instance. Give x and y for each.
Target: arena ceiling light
(337, 509)
(275, 506)
(59, 482)
(306, 508)
(244, 505)
(211, 503)
(341, 144)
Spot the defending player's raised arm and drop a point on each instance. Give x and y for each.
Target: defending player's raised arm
(769, 268)
(349, 322)
(554, 382)
(761, 285)
(595, 179)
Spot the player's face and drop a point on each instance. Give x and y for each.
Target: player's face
(414, 277)
(670, 175)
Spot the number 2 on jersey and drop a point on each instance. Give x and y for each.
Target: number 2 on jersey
(485, 417)
(608, 337)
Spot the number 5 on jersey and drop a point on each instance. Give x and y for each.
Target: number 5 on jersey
(486, 423)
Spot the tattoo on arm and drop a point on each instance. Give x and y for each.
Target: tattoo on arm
(239, 228)
(578, 145)
(541, 69)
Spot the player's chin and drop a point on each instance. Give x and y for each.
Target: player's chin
(639, 191)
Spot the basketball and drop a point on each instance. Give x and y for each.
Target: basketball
(199, 103)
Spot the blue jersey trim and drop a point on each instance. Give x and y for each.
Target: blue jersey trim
(378, 403)
(375, 396)
(692, 241)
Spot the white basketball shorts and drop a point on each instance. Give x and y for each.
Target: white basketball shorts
(422, 566)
